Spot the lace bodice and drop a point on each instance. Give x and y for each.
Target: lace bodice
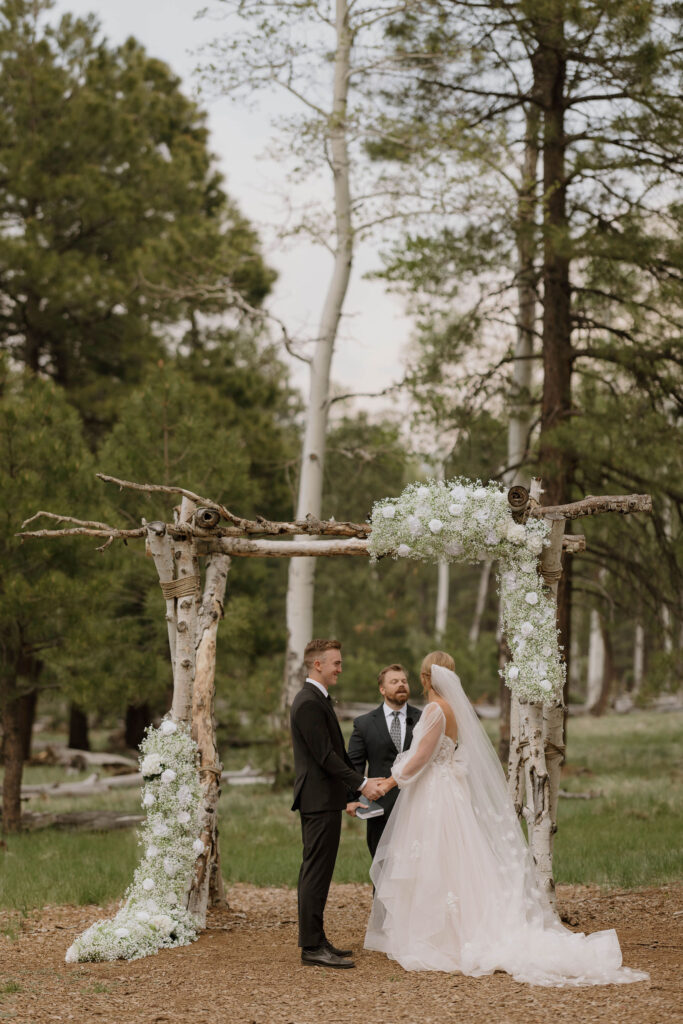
(447, 749)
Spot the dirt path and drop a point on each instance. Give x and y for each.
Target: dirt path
(246, 969)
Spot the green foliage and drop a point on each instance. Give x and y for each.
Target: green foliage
(113, 221)
(44, 464)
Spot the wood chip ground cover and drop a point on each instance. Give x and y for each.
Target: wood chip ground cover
(245, 968)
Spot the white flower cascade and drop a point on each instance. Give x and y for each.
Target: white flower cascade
(461, 521)
(153, 914)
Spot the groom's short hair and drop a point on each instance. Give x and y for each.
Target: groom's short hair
(390, 668)
(314, 648)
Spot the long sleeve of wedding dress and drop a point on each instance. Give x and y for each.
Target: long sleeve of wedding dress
(455, 884)
(410, 765)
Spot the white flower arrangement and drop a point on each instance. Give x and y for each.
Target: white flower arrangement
(467, 522)
(153, 915)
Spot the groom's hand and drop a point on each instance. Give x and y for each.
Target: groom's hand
(353, 807)
(373, 789)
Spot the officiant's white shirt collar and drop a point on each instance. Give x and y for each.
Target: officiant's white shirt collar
(320, 686)
(388, 712)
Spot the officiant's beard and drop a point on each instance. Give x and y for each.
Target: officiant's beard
(395, 698)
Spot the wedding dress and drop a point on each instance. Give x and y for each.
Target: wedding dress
(455, 885)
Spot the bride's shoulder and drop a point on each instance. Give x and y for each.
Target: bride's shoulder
(434, 706)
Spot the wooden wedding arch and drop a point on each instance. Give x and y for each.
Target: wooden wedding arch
(203, 529)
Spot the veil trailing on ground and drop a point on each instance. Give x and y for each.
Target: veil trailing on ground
(490, 797)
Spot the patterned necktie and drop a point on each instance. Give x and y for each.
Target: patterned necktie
(395, 731)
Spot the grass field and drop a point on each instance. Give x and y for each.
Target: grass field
(629, 835)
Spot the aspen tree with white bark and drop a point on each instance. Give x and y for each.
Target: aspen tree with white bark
(317, 55)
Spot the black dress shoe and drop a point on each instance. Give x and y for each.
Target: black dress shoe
(337, 952)
(324, 957)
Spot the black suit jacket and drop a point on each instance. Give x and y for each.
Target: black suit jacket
(325, 777)
(370, 742)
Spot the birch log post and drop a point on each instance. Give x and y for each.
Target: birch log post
(186, 589)
(161, 550)
(553, 714)
(536, 742)
(207, 883)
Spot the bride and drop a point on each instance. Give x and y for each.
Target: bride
(455, 888)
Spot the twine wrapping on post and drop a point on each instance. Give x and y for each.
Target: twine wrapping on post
(186, 585)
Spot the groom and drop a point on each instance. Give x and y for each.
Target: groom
(325, 782)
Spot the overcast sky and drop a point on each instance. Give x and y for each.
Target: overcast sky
(375, 329)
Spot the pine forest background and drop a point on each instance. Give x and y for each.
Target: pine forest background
(135, 340)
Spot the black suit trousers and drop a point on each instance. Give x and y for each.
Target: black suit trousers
(320, 834)
(375, 828)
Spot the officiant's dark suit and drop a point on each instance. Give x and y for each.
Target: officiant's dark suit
(371, 744)
(325, 782)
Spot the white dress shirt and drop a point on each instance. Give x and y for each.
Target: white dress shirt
(402, 720)
(319, 685)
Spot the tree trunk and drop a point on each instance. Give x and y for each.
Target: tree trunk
(595, 672)
(521, 408)
(556, 461)
(480, 604)
(300, 588)
(638, 658)
(14, 765)
(207, 884)
(27, 715)
(78, 728)
(138, 717)
(441, 618)
(607, 680)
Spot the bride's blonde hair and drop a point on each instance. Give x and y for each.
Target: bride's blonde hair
(434, 658)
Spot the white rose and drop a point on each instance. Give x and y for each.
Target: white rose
(491, 538)
(148, 884)
(160, 829)
(531, 597)
(509, 578)
(516, 533)
(423, 492)
(534, 543)
(184, 795)
(171, 898)
(183, 817)
(458, 492)
(513, 672)
(455, 509)
(403, 550)
(121, 933)
(164, 923)
(168, 727)
(389, 511)
(152, 906)
(148, 799)
(142, 915)
(198, 847)
(526, 629)
(453, 548)
(480, 492)
(545, 684)
(71, 955)
(546, 650)
(168, 776)
(482, 515)
(170, 866)
(415, 526)
(528, 567)
(151, 765)
(151, 852)
(435, 525)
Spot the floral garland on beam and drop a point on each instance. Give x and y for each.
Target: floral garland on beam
(153, 915)
(462, 521)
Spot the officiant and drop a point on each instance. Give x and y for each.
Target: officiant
(379, 736)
